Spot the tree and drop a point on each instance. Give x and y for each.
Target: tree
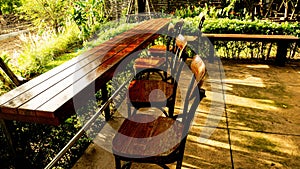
(46, 13)
(8, 6)
(87, 14)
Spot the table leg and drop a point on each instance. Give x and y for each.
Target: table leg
(281, 53)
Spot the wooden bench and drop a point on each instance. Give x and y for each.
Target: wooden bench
(48, 98)
(282, 42)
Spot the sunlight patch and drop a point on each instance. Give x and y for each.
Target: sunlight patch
(259, 66)
(249, 81)
(262, 104)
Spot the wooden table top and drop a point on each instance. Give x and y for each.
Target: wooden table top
(48, 98)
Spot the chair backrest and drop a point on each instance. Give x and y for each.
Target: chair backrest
(194, 93)
(202, 19)
(198, 69)
(178, 27)
(170, 36)
(181, 44)
(177, 31)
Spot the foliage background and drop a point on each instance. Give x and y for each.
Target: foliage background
(64, 29)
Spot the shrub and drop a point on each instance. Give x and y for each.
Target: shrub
(9, 6)
(37, 144)
(226, 25)
(87, 15)
(38, 50)
(45, 13)
(235, 26)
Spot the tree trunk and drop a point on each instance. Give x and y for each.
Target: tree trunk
(286, 9)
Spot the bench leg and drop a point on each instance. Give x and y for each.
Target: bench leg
(8, 137)
(281, 53)
(104, 93)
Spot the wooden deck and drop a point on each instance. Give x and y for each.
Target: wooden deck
(258, 128)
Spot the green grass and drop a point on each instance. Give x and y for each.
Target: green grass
(60, 60)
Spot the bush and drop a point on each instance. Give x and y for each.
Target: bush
(226, 25)
(9, 6)
(189, 11)
(234, 26)
(45, 13)
(37, 144)
(38, 50)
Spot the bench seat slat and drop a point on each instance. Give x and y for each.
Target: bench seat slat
(95, 77)
(85, 71)
(48, 97)
(48, 75)
(57, 70)
(55, 80)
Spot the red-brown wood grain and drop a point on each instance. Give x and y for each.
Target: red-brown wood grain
(50, 95)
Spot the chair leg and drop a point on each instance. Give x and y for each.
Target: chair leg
(127, 165)
(181, 154)
(128, 109)
(165, 76)
(179, 164)
(171, 108)
(118, 163)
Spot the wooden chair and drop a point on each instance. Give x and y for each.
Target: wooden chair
(140, 91)
(155, 63)
(158, 54)
(143, 138)
(159, 50)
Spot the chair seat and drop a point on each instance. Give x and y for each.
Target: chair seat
(149, 91)
(157, 50)
(143, 136)
(148, 63)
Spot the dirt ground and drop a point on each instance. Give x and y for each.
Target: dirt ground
(11, 27)
(249, 119)
(10, 45)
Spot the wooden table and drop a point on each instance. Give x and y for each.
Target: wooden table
(48, 98)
